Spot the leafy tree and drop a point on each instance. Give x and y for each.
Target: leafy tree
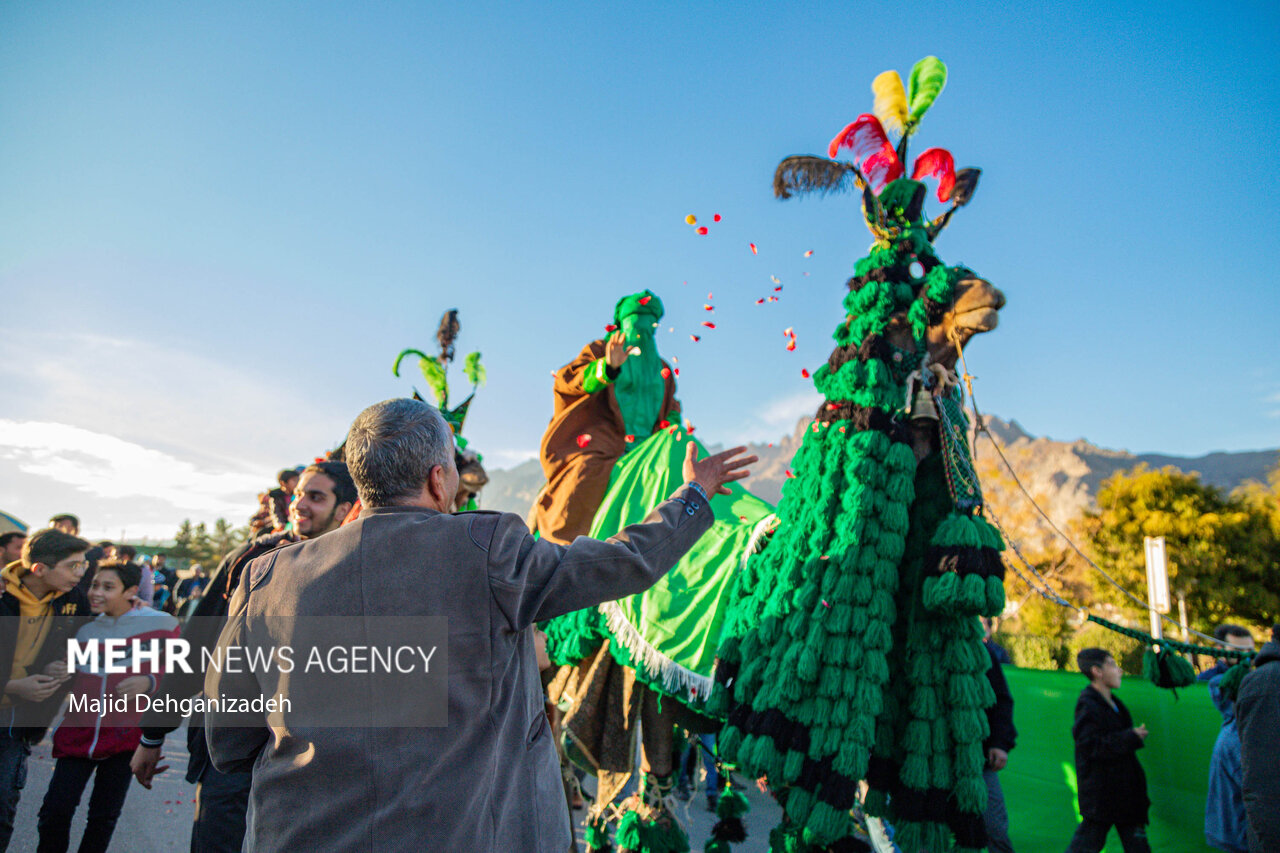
(1224, 552)
(184, 540)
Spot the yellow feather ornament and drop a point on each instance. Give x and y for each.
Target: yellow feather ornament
(891, 101)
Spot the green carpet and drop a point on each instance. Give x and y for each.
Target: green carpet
(1039, 782)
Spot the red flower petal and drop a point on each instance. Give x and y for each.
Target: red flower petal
(611, 328)
(701, 229)
(708, 308)
(695, 338)
(677, 371)
(790, 476)
(666, 373)
(708, 325)
(715, 218)
(760, 301)
(791, 345)
(629, 438)
(644, 300)
(584, 439)
(804, 372)
(754, 251)
(663, 424)
(809, 254)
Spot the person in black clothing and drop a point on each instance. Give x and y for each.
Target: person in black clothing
(280, 497)
(997, 747)
(1110, 784)
(1258, 720)
(325, 495)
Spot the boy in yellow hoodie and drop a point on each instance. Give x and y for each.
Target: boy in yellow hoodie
(40, 609)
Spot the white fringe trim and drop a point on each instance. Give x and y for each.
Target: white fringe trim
(675, 679)
(763, 527)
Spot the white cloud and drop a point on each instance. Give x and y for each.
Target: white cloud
(776, 418)
(508, 458)
(107, 466)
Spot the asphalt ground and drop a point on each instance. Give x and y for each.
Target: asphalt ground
(160, 819)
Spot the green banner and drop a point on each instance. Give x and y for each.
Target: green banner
(1039, 782)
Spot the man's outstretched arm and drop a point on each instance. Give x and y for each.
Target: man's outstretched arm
(533, 579)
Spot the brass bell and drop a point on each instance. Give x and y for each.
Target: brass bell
(922, 408)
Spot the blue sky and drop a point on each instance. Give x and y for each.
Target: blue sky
(220, 222)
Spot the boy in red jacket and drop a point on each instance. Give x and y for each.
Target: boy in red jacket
(100, 731)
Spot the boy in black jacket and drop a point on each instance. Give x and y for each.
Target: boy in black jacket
(40, 609)
(1110, 783)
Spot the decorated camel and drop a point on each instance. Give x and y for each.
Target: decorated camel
(853, 649)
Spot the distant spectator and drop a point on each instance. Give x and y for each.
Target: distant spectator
(169, 575)
(1231, 635)
(147, 586)
(260, 521)
(1258, 721)
(192, 586)
(67, 523)
(996, 749)
(997, 651)
(11, 547)
(108, 550)
(281, 497)
(1110, 784)
(1225, 825)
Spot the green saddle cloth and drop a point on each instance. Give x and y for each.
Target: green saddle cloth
(668, 634)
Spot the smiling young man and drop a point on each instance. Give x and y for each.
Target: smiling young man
(323, 496)
(40, 608)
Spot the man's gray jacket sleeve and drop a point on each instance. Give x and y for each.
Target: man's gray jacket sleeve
(533, 580)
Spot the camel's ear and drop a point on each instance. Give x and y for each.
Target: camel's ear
(966, 183)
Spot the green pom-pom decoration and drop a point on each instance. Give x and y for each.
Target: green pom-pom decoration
(995, 597)
(629, 834)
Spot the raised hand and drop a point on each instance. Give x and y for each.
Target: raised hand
(1141, 731)
(616, 349)
(712, 472)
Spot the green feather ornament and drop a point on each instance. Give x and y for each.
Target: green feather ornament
(928, 77)
(433, 373)
(473, 369)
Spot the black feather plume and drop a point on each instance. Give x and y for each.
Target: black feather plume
(448, 333)
(802, 174)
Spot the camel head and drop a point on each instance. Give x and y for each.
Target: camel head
(975, 310)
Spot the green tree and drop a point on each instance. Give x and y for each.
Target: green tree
(202, 548)
(183, 540)
(1224, 552)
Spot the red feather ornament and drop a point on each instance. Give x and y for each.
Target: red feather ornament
(937, 163)
(871, 148)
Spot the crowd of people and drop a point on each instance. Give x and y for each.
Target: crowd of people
(395, 485)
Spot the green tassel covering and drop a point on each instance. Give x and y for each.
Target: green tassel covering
(628, 834)
(1167, 669)
(596, 836)
(1229, 684)
(733, 803)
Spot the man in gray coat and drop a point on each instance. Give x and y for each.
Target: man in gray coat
(489, 780)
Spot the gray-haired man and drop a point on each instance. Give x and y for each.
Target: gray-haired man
(489, 780)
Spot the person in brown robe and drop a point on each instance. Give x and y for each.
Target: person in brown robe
(613, 396)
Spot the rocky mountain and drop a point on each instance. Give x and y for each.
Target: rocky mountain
(1063, 476)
